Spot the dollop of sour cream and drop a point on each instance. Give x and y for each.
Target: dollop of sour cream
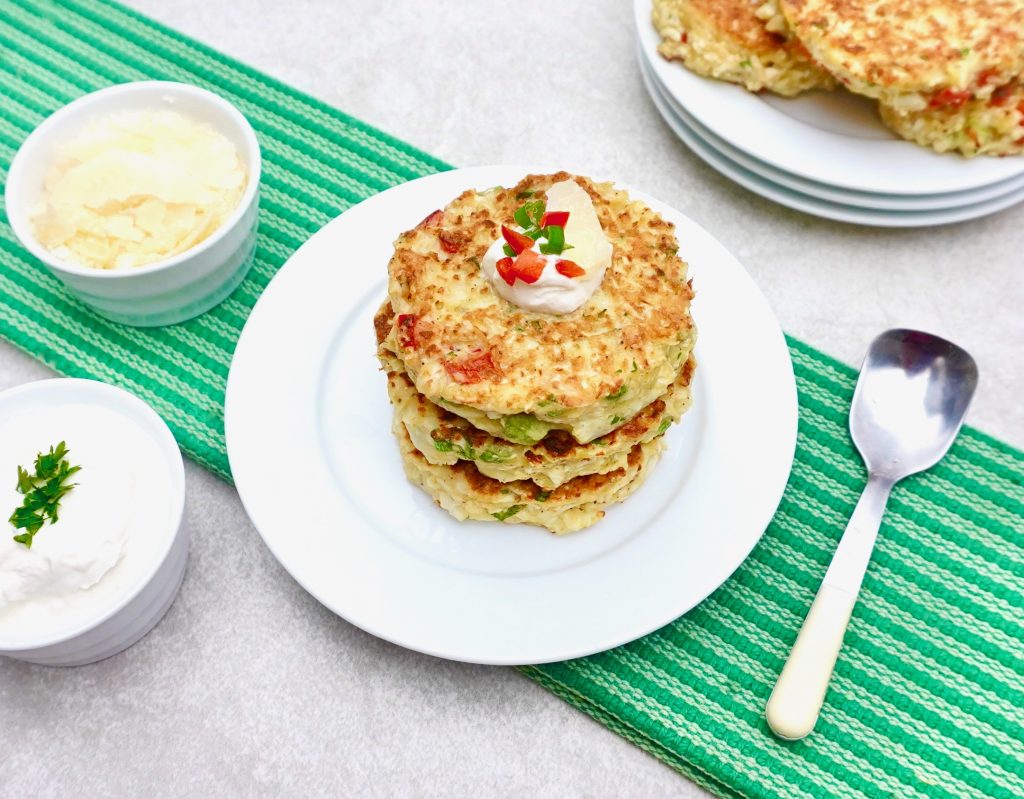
(84, 562)
(554, 293)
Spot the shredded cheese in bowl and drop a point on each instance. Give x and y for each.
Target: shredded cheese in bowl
(136, 187)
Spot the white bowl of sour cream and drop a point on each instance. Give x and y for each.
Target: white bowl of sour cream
(92, 582)
(142, 198)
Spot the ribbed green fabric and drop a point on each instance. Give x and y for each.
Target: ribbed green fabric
(317, 162)
(928, 694)
(927, 699)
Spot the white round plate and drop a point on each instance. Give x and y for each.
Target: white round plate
(834, 138)
(813, 205)
(308, 428)
(822, 191)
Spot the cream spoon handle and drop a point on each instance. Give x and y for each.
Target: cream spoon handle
(793, 707)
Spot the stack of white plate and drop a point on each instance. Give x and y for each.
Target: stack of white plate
(824, 153)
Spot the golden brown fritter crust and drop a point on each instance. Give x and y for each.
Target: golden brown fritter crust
(992, 126)
(737, 41)
(467, 494)
(462, 344)
(445, 438)
(913, 53)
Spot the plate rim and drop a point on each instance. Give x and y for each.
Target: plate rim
(775, 485)
(870, 201)
(807, 204)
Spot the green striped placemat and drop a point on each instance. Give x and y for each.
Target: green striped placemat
(927, 699)
(317, 162)
(928, 693)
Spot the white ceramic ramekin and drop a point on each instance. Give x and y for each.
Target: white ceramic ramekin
(167, 291)
(156, 580)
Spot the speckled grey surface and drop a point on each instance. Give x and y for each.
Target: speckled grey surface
(249, 687)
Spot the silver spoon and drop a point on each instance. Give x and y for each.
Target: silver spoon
(911, 399)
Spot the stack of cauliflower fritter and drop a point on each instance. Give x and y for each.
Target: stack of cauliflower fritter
(945, 72)
(511, 415)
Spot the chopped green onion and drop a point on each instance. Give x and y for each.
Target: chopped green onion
(442, 445)
(524, 194)
(522, 217)
(509, 251)
(510, 511)
(535, 211)
(555, 240)
(495, 455)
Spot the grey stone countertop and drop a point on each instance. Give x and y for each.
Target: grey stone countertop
(249, 686)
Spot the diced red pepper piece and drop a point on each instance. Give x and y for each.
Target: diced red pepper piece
(517, 241)
(450, 242)
(407, 330)
(528, 266)
(477, 366)
(949, 98)
(1001, 95)
(1020, 107)
(432, 220)
(506, 270)
(683, 37)
(556, 218)
(986, 76)
(569, 269)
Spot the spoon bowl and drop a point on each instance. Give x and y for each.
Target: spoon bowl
(910, 401)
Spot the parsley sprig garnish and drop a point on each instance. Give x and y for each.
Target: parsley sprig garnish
(43, 490)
